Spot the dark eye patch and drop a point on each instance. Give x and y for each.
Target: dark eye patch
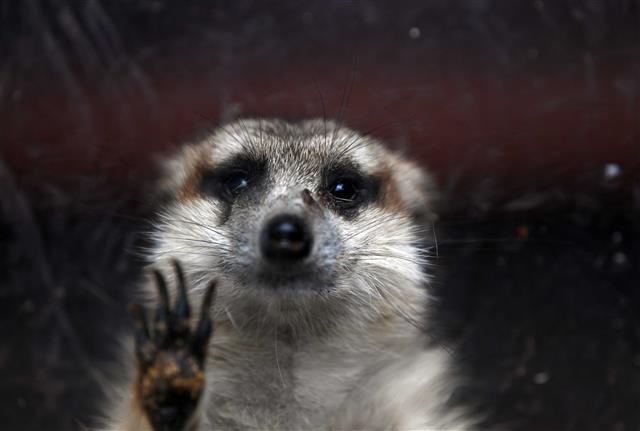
(233, 178)
(348, 189)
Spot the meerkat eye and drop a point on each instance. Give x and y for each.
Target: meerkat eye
(233, 178)
(235, 182)
(226, 184)
(345, 190)
(348, 189)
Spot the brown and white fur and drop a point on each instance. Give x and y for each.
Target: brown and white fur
(339, 344)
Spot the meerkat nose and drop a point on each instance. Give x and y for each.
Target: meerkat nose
(286, 238)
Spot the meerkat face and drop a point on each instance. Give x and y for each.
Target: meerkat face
(289, 217)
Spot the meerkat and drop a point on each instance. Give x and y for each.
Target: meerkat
(313, 238)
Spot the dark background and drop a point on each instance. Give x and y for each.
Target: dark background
(527, 112)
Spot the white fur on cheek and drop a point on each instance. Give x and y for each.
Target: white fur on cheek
(189, 232)
(383, 260)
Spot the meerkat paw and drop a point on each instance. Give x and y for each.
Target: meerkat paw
(170, 374)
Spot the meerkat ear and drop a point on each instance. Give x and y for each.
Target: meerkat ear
(418, 191)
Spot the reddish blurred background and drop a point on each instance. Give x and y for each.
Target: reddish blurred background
(522, 90)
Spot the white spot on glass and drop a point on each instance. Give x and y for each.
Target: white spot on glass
(541, 378)
(612, 171)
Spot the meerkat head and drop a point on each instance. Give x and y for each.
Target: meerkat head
(303, 223)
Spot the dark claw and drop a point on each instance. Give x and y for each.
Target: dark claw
(145, 349)
(208, 299)
(182, 311)
(162, 322)
(205, 327)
